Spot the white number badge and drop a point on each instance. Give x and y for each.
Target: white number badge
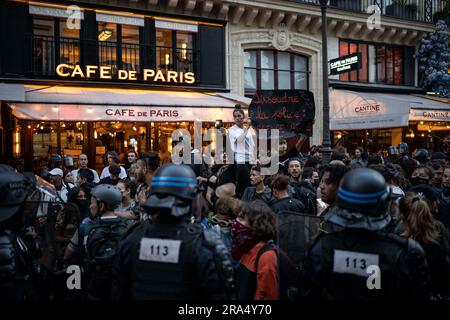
(354, 262)
(160, 250)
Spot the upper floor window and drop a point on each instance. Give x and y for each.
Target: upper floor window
(53, 42)
(174, 50)
(274, 70)
(379, 63)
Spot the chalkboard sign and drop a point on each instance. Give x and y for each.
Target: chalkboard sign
(290, 111)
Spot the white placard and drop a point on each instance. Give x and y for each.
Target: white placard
(53, 12)
(352, 262)
(160, 250)
(173, 25)
(110, 18)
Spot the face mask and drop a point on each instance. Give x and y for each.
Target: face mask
(243, 239)
(83, 205)
(418, 180)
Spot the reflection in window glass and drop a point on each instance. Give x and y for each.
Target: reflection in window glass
(300, 63)
(267, 80)
(250, 78)
(250, 59)
(301, 80)
(363, 70)
(267, 59)
(274, 70)
(354, 73)
(284, 80)
(284, 61)
(372, 64)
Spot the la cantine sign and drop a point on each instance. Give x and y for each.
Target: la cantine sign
(106, 72)
(345, 64)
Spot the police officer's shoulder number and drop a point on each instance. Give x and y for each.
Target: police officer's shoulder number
(355, 263)
(159, 250)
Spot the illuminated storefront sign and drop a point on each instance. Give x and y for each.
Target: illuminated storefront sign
(106, 72)
(345, 64)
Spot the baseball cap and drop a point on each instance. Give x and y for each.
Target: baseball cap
(56, 172)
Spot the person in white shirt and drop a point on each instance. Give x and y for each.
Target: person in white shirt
(82, 163)
(241, 138)
(244, 148)
(113, 158)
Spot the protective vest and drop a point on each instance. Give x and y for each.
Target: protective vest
(154, 279)
(15, 276)
(347, 255)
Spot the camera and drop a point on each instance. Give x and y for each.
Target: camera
(219, 124)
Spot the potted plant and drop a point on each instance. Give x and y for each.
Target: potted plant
(351, 5)
(402, 9)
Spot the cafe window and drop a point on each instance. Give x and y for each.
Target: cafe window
(53, 42)
(274, 70)
(379, 63)
(174, 50)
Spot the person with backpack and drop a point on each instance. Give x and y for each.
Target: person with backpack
(259, 275)
(171, 256)
(98, 240)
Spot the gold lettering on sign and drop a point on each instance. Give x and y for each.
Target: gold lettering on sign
(106, 72)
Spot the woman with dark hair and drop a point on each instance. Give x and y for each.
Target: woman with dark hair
(256, 276)
(113, 159)
(420, 226)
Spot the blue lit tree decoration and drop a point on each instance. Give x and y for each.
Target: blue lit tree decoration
(434, 60)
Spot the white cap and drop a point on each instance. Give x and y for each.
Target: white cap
(56, 172)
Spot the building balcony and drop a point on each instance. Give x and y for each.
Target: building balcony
(45, 53)
(416, 10)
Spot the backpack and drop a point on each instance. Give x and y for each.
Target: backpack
(287, 285)
(101, 247)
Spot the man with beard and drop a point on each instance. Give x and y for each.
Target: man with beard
(145, 168)
(301, 190)
(257, 190)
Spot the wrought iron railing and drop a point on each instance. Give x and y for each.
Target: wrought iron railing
(418, 10)
(47, 52)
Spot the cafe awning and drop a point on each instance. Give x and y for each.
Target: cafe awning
(354, 110)
(60, 103)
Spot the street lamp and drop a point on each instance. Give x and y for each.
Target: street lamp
(326, 142)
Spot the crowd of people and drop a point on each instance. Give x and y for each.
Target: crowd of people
(202, 231)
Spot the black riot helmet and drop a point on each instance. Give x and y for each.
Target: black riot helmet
(173, 188)
(13, 191)
(110, 195)
(365, 195)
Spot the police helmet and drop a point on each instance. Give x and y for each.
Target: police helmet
(13, 191)
(108, 194)
(365, 193)
(173, 187)
(422, 155)
(402, 147)
(392, 151)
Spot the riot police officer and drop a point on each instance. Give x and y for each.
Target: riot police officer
(15, 260)
(358, 259)
(170, 256)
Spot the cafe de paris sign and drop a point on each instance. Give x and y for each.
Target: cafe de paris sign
(106, 72)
